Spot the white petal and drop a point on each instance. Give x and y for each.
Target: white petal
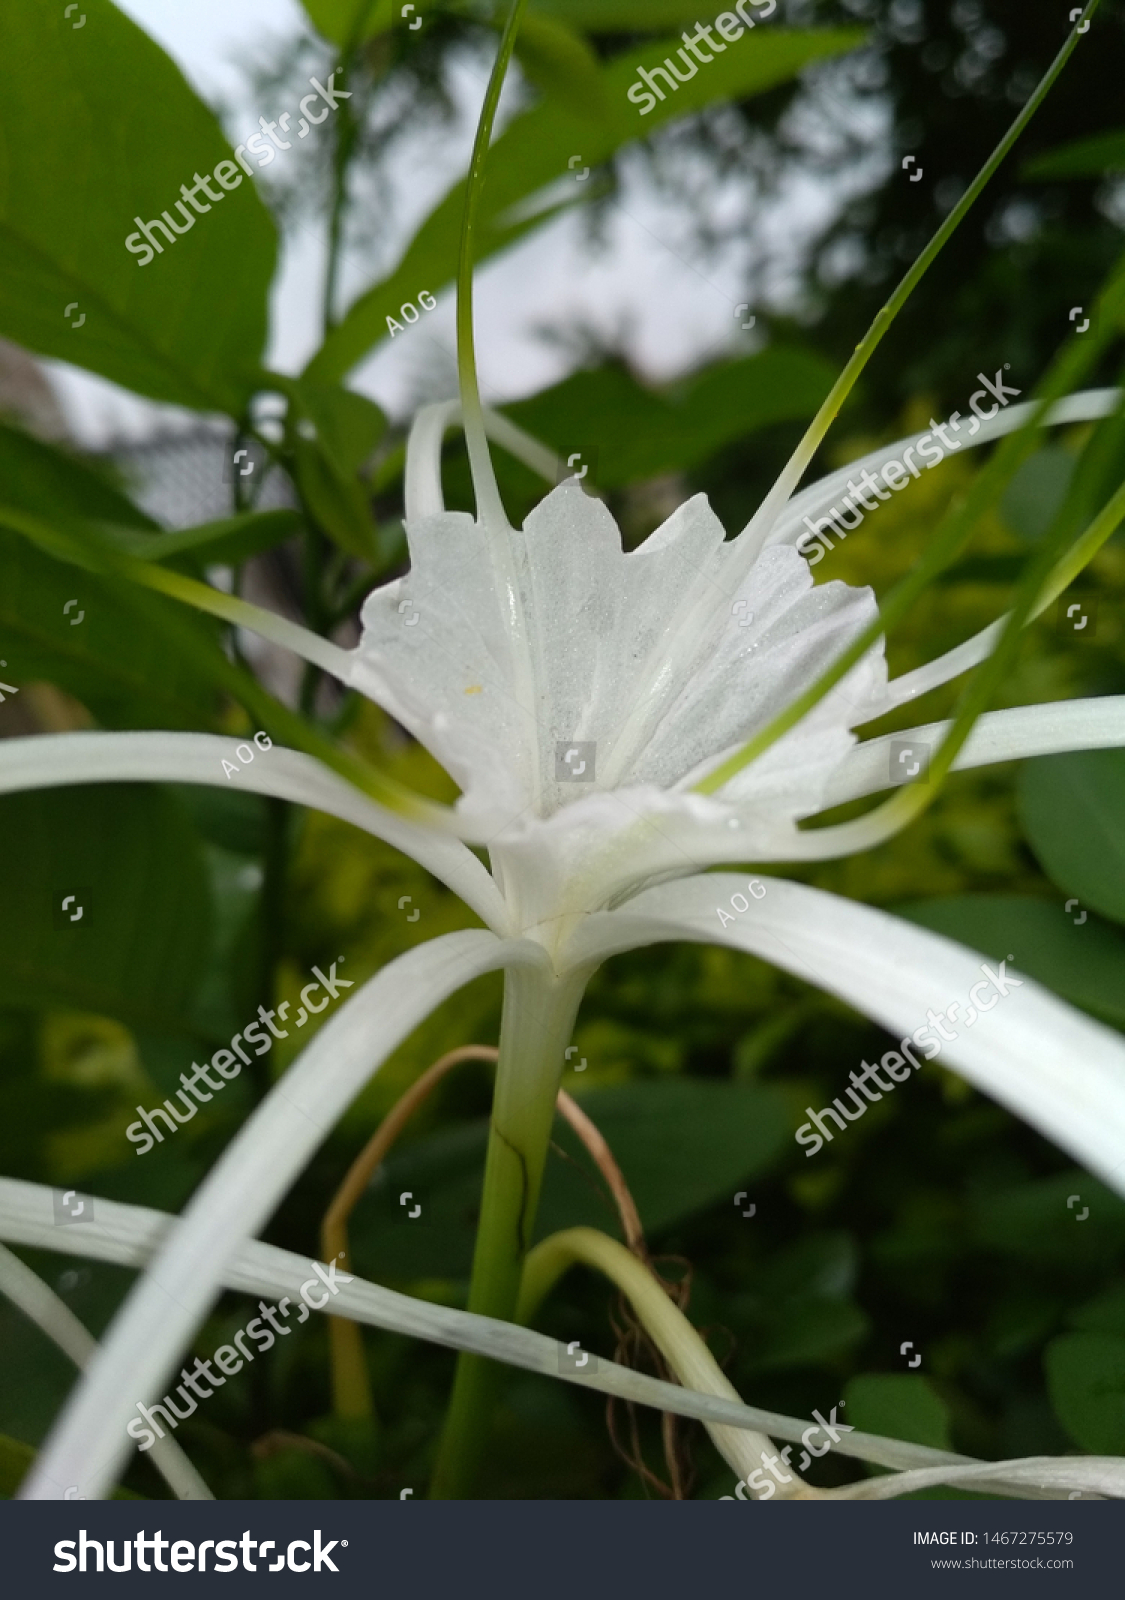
(820, 497)
(1035, 1477)
(1050, 1065)
(1011, 735)
(52, 760)
(423, 490)
(650, 666)
(158, 1319)
(131, 1235)
(42, 1306)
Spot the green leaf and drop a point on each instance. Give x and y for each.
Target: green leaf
(132, 860)
(1085, 158)
(800, 1312)
(1070, 1220)
(44, 480)
(629, 433)
(562, 66)
(15, 1460)
(98, 126)
(227, 542)
(899, 1405)
(535, 151)
(1037, 492)
(348, 425)
(1082, 962)
(1105, 1313)
(683, 1145)
(624, 16)
(112, 656)
(339, 21)
(1073, 812)
(342, 506)
(1086, 1382)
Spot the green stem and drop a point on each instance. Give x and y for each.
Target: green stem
(535, 1029)
(679, 1343)
(490, 507)
(866, 348)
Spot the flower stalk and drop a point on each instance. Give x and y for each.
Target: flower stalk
(671, 1332)
(535, 1029)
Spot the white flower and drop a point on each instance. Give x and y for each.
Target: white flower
(502, 651)
(645, 668)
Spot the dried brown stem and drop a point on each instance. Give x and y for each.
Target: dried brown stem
(351, 1390)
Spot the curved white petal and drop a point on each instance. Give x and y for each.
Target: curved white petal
(50, 760)
(424, 497)
(1013, 735)
(943, 669)
(144, 1342)
(819, 498)
(1036, 1477)
(41, 1305)
(131, 1235)
(1057, 1069)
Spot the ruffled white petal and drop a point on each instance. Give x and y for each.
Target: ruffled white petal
(1057, 1069)
(615, 658)
(145, 1341)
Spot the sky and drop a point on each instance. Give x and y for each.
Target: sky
(671, 312)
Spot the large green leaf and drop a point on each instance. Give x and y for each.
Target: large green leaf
(682, 1144)
(628, 432)
(1084, 961)
(1073, 812)
(131, 860)
(900, 1405)
(46, 481)
(1086, 1381)
(98, 126)
(73, 629)
(536, 150)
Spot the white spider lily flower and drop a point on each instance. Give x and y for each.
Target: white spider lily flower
(515, 657)
(577, 692)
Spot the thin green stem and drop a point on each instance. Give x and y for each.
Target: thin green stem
(678, 1342)
(490, 507)
(843, 386)
(1040, 578)
(953, 532)
(535, 1029)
